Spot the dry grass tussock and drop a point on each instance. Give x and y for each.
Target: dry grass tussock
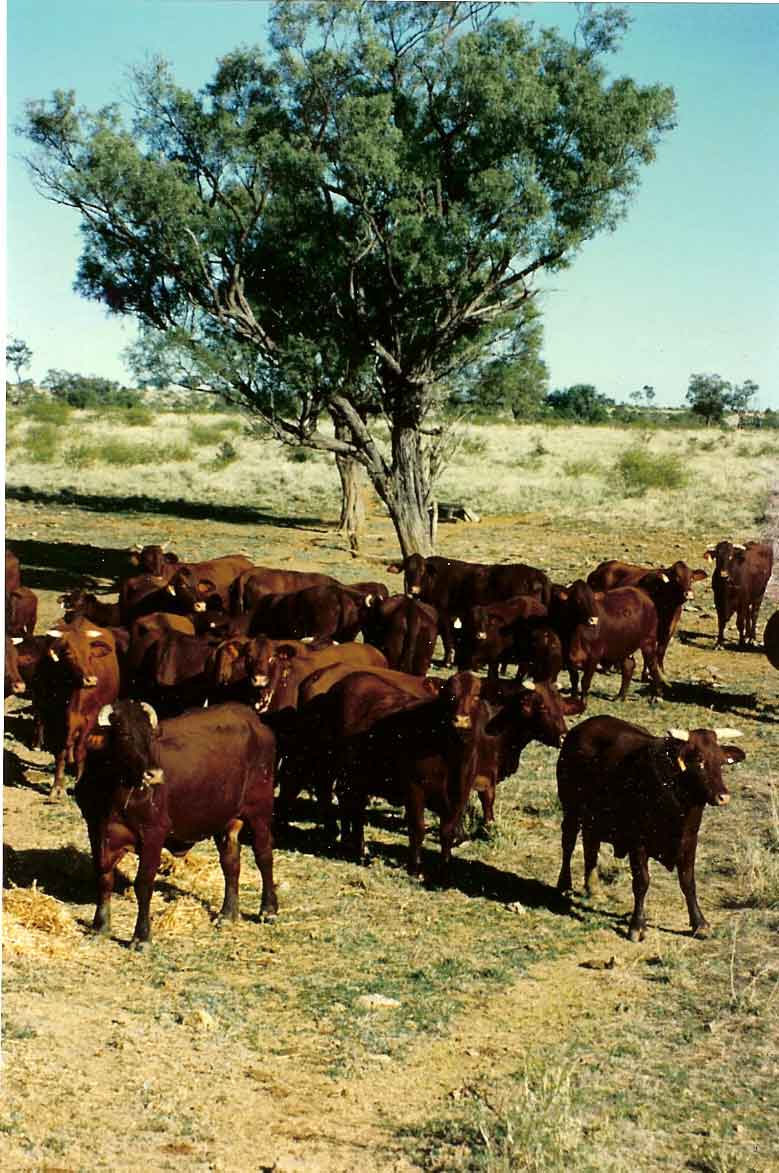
(34, 923)
(533, 468)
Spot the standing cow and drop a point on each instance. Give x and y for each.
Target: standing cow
(645, 796)
(739, 580)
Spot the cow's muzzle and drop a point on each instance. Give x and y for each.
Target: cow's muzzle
(461, 721)
(88, 681)
(19, 687)
(259, 681)
(722, 799)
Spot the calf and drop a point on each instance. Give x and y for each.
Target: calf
(645, 796)
(669, 589)
(148, 786)
(489, 633)
(78, 674)
(738, 581)
(21, 611)
(404, 629)
(81, 602)
(627, 622)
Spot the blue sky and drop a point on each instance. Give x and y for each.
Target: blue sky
(688, 283)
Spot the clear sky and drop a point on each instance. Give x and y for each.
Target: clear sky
(688, 283)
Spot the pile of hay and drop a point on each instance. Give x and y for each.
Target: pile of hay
(36, 923)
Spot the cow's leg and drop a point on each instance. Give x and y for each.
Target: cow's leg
(685, 869)
(742, 623)
(58, 785)
(415, 820)
(108, 843)
(352, 809)
(639, 867)
(570, 831)
(148, 866)
(591, 845)
(649, 652)
(587, 674)
(487, 799)
(628, 667)
(573, 674)
(262, 845)
(230, 859)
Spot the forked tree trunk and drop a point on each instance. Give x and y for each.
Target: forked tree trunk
(406, 493)
(352, 520)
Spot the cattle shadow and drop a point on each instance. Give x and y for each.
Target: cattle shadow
(176, 507)
(66, 873)
(717, 699)
(62, 566)
(15, 774)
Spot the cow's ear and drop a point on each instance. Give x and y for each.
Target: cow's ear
(170, 557)
(709, 555)
(698, 575)
(97, 741)
(731, 754)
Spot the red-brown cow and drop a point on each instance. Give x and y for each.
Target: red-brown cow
(258, 581)
(771, 639)
(153, 560)
(13, 573)
(21, 611)
(205, 774)
(739, 580)
(404, 629)
(489, 633)
(14, 684)
(611, 574)
(81, 602)
(77, 676)
(195, 585)
(453, 587)
(627, 622)
(644, 795)
(318, 612)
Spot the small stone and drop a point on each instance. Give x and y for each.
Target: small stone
(377, 1002)
(516, 906)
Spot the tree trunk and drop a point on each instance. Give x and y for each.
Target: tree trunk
(352, 520)
(406, 493)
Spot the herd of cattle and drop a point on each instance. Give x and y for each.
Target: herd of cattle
(182, 706)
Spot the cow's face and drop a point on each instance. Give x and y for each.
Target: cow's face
(229, 662)
(722, 555)
(461, 694)
(581, 603)
(543, 713)
(699, 761)
(133, 734)
(78, 648)
(414, 574)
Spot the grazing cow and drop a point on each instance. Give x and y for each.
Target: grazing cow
(453, 587)
(258, 581)
(14, 684)
(404, 629)
(77, 676)
(771, 639)
(530, 711)
(739, 580)
(13, 573)
(489, 633)
(321, 612)
(21, 611)
(205, 774)
(627, 622)
(425, 756)
(643, 794)
(81, 602)
(195, 584)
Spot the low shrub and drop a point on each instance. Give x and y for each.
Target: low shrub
(473, 445)
(640, 470)
(124, 453)
(41, 443)
(201, 434)
(138, 415)
(582, 468)
(48, 411)
(226, 454)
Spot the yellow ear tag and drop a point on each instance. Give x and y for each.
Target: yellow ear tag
(682, 766)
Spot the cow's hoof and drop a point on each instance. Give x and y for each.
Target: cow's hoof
(635, 934)
(268, 916)
(702, 931)
(139, 946)
(56, 794)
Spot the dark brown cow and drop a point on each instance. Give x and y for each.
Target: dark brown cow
(77, 676)
(288, 662)
(13, 573)
(175, 672)
(531, 711)
(196, 584)
(739, 580)
(21, 611)
(421, 757)
(14, 684)
(771, 639)
(627, 622)
(489, 633)
(258, 581)
(453, 587)
(153, 560)
(323, 679)
(319, 612)
(81, 602)
(613, 573)
(204, 774)
(404, 629)
(644, 795)
(145, 594)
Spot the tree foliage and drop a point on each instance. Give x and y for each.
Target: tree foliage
(582, 403)
(356, 217)
(18, 355)
(86, 390)
(711, 396)
(515, 381)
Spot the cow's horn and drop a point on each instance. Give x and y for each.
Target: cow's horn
(93, 633)
(679, 734)
(457, 623)
(368, 600)
(739, 546)
(149, 711)
(726, 732)
(103, 717)
(17, 639)
(55, 633)
(529, 685)
(664, 578)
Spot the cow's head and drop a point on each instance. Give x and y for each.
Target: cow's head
(699, 758)
(413, 568)
(724, 554)
(132, 739)
(536, 712)
(461, 695)
(581, 604)
(76, 647)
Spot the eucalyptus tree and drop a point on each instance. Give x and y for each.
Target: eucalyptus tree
(342, 223)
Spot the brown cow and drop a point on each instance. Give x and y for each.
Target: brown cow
(771, 639)
(14, 684)
(611, 574)
(404, 629)
(13, 573)
(77, 676)
(153, 560)
(643, 794)
(318, 612)
(627, 622)
(258, 581)
(453, 587)
(21, 611)
(81, 602)
(739, 581)
(205, 774)
(488, 634)
(195, 584)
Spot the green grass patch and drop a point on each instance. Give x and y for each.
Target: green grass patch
(41, 443)
(640, 470)
(46, 411)
(582, 468)
(125, 453)
(204, 434)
